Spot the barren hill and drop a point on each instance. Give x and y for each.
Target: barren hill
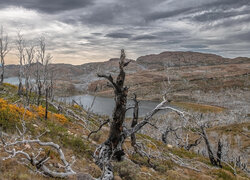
(186, 70)
(185, 59)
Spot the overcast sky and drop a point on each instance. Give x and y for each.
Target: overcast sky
(81, 31)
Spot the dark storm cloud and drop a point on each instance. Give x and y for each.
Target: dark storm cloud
(118, 35)
(144, 37)
(97, 34)
(47, 6)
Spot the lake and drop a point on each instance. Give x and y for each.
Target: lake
(15, 80)
(105, 105)
(102, 105)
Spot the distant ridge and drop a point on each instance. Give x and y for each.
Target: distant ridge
(87, 72)
(180, 58)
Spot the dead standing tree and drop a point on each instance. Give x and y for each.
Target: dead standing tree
(135, 121)
(4, 49)
(28, 60)
(20, 44)
(42, 73)
(112, 148)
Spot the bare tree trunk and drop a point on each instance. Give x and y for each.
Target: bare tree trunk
(20, 47)
(42, 79)
(209, 149)
(134, 121)
(4, 49)
(1, 81)
(39, 86)
(112, 147)
(46, 102)
(120, 108)
(51, 90)
(219, 153)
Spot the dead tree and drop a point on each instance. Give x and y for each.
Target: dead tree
(42, 73)
(28, 60)
(20, 44)
(134, 121)
(42, 61)
(168, 130)
(46, 83)
(208, 146)
(4, 49)
(219, 153)
(112, 148)
(52, 84)
(46, 102)
(196, 143)
(22, 149)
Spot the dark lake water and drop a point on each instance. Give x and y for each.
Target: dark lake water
(105, 106)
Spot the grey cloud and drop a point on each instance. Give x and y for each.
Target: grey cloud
(47, 6)
(220, 4)
(242, 37)
(225, 4)
(166, 14)
(144, 37)
(118, 35)
(213, 16)
(105, 14)
(97, 34)
(194, 46)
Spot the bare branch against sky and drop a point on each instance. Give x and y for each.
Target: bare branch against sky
(80, 31)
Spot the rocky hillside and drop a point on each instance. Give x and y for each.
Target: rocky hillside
(169, 59)
(148, 74)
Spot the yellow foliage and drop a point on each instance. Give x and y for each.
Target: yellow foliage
(41, 113)
(77, 106)
(17, 112)
(14, 110)
(61, 118)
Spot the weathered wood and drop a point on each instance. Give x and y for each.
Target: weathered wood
(134, 121)
(209, 149)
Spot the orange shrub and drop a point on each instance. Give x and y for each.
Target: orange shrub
(40, 111)
(15, 111)
(61, 118)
